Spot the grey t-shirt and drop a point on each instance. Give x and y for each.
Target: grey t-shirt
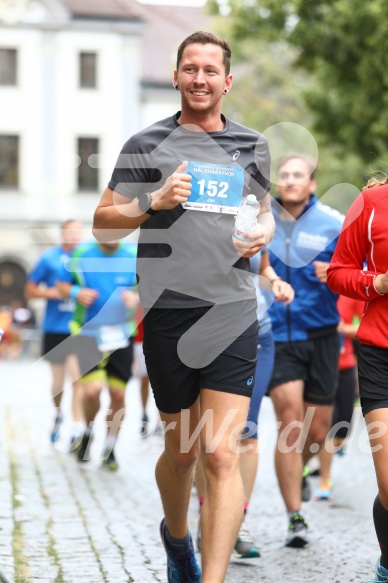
(186, 257)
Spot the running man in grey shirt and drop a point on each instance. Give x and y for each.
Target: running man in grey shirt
(181, 181)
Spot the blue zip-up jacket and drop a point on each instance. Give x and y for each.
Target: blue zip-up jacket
(313, 237)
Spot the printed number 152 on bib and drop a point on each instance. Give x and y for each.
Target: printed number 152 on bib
(215, 188)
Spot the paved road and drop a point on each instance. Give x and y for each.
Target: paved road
(62, 523)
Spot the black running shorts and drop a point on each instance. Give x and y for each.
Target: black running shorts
(187, 350)
(373, 377)
(313, 361)
(57, 347)
(116, 365)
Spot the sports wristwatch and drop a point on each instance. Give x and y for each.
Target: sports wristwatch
(144, 202)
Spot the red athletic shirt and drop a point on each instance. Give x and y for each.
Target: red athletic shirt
(139, 315)
(364, 237)
(349, 310)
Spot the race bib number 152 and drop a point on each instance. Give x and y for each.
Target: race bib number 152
(215, 188)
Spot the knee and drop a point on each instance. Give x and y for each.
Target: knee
(289, 433)
(92, 391)
(319, 431)
(220, 463)
(182, 462)
(117, 398)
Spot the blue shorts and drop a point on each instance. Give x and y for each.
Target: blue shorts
(264, 367)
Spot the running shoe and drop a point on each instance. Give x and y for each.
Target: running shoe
(109, 461)
(75, 443)
(144, 425)
(83, 449)
(306, 488)
(245, 547)
(324, 492)
(54, 436)
(379, 576)
(180, 568)
(297, 532)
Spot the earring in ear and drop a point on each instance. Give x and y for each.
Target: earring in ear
(176, 87)
(225, 91)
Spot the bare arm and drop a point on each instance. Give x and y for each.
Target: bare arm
(282, 290)
(116, 217)
(84, 296)
(33, 291)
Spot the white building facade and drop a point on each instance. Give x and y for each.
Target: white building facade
(74, 81)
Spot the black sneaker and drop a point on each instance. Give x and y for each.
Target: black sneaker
(297, 532)
(83, 454)
(144, 427)
(109, 461)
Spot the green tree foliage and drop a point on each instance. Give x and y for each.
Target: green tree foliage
(268, 88)
(343, 46)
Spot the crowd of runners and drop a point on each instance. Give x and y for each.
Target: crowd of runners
(214, 324)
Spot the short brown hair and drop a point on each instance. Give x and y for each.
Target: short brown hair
(204, 38)
(311, 165)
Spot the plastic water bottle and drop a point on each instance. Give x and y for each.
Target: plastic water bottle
(246, 219)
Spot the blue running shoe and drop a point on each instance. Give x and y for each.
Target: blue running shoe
(180, 568)
(379, 576)
(324, 492)
(54, 435)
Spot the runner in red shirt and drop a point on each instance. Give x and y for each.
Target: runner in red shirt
(365, 237)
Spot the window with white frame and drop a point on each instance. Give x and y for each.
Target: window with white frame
(87, 176)
(8, 66)
(88, 70)
(9, 161)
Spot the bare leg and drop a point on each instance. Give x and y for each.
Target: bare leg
(249, 463)
(223, 505)
(116, 412)
(175, 470)
(91, 400)
(58, 374)
(144, 392)
(77, 400)
(288, 403)
(318, 429)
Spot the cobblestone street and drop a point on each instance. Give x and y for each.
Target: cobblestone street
(65, 523)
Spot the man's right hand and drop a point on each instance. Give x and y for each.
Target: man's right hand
(86, 296)
(176, 190)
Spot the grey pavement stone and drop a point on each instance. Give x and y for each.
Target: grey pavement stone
(92, 526)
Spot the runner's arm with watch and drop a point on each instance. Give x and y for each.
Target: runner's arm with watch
(116, 217)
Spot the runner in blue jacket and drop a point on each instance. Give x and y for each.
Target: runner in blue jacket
(304, 379)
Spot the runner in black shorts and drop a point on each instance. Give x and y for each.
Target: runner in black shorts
(176, 385)
(306, 340)
(102, 325)
(58, 348)
(315, 362)
(193, 277)
(364, 238)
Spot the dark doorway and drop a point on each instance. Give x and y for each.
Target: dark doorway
(12, 282)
